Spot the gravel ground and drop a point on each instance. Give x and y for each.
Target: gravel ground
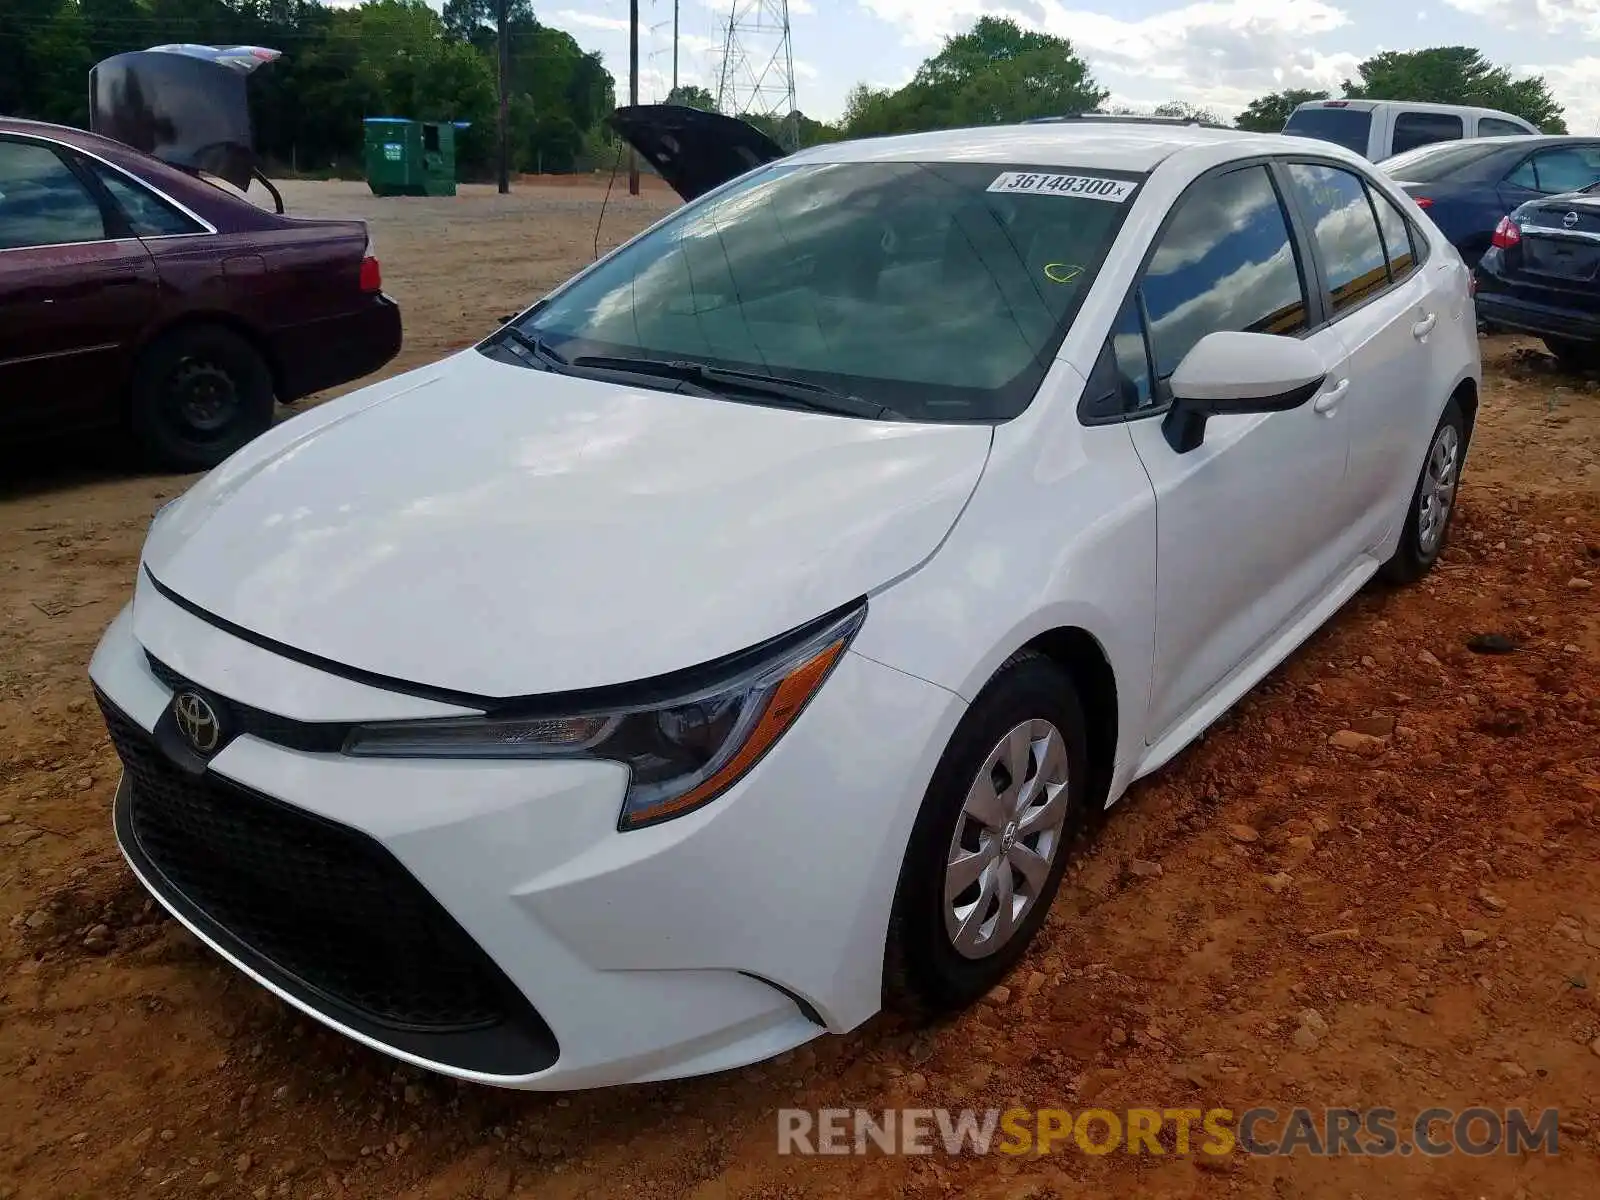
(1287, 915)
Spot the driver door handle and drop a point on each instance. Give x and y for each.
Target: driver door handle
(1425, 326)
(1329, 400)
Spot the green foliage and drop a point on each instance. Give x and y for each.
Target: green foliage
(995, 73)
(1269, 113)
(691, 96)
(383, 58)
(1456, 75)
(1183, 110)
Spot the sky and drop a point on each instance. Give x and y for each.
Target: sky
(1216, 53)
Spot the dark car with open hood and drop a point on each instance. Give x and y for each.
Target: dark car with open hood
(1541, 275)
(135, 292)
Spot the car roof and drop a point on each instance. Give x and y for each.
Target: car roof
(1409, 106)
(81, 138)
(1132, 145)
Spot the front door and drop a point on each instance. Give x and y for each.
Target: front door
(1248, 526)
(72, 295)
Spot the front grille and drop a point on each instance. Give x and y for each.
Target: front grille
(322, 903)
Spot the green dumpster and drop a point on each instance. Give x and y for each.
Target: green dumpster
(410, 158)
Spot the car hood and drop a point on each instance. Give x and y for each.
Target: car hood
(692, 150)
(499, 531)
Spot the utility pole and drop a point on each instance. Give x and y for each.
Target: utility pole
(633, 87)
(674, 46)
(505, 107)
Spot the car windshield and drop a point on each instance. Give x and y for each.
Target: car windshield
(1347, 127)
(1426, 164)
(939, 290)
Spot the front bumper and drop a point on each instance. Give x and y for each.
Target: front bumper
(708, 942)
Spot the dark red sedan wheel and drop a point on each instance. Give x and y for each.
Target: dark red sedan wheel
(199, 393)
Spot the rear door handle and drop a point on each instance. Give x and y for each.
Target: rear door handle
(1425, 326)
(1329, 400)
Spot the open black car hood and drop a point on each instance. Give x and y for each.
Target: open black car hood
(693, 150)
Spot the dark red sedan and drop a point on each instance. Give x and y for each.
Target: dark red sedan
(133, 293)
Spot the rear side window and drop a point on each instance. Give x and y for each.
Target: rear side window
(1346, 232)
(1225, 262)
(42, 203)
(1413, 129)
(1563, 169)
(1347, 127)
(1495, 127)
(148, 214)
(1398, 243)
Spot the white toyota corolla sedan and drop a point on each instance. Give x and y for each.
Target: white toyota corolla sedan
(741, 637)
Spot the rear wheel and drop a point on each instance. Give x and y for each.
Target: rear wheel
(199, 393)
(1433, 501)
(1574, 355)
(992, 841)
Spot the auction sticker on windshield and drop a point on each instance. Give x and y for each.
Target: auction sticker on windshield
(1088, 186)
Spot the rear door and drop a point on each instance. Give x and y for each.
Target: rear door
(75, 290)
(1380, 305)
(1249, 523)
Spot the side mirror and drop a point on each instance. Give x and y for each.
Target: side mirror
(1231, 373)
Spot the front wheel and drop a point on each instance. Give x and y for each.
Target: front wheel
(199, 393)
(992, 841)
(1433, 501)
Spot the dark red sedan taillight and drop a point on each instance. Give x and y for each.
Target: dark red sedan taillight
(1423, 201)
(371, 275)
(1506, 234)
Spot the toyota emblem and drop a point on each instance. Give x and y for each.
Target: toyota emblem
(197, 721)
(1570, 220)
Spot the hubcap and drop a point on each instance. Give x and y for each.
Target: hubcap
(1006, 839)
(204, 396)
(1438, 489)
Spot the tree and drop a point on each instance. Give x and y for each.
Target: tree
(340, 64)
(1456, 75)
(1185, 111)
(994, 73)
(691, 96)
(1269, 113)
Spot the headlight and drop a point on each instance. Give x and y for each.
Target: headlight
(682, 751)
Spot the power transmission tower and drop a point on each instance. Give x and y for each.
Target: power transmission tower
(633, 88)
(757, 77)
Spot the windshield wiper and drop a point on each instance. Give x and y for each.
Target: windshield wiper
(535, 346)
(752, 383)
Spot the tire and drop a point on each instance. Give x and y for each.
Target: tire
(1573, 355)
(1421, 542)
(927, 968)
(199, 393)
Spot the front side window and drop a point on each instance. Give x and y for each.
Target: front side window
(1345, 229)
(1224, 263)
(147, 214)
(42, 203)
(1412, 129)
(941, 290)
